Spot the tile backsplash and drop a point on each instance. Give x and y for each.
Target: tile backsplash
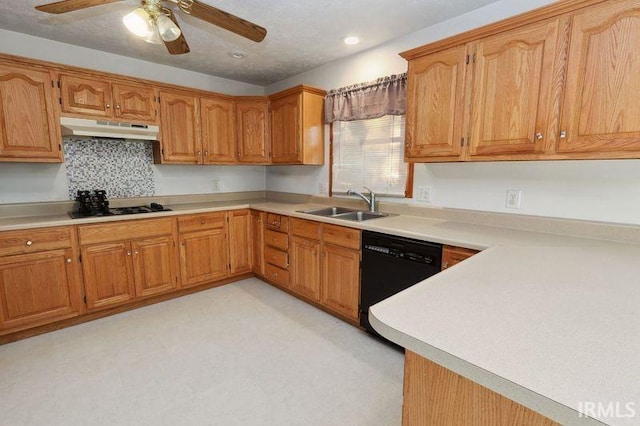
(122, 168)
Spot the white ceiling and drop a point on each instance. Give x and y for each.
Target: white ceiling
(301, 35)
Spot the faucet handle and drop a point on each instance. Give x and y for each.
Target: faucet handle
(368, 189)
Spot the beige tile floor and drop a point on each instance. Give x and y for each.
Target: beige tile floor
(242, 354)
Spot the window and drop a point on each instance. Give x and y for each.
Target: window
(370, 153)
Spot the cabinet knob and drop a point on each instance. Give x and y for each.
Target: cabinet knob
(275, 274)
(128, 252)
(199, 153)
(136, 252)
(445, 265)
(29, 243)
(107, 106)
(563, 134)
(539, 136)
(117, 106)
(69, 260)
(206, 153)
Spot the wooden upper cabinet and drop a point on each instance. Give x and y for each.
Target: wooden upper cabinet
(137, 103)
(29, 123)
(218, 132)
(601, 112)
(85, 96)
(513, 84)
(252, 125)
(297, 126)
(180, 136)
(435, 105)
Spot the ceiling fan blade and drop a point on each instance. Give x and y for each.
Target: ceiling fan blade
(225, 20)
(65, 6)
(178, 46)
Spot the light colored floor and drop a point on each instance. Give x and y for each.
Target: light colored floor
(241, 354)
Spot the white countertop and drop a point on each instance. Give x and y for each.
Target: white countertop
(547, 320)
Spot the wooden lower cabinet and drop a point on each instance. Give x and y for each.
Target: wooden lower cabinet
(108, 274)
(257, 241)
(38, 288)
(305, 267)
(452, 255)
(341, 279)
(434, 395)
(154, 266)
(239, 241)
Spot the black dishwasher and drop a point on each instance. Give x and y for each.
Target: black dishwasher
(391, 264)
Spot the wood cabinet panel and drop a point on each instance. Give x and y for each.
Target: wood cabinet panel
(434, 395)
(257, 242)
(108, 274)
(277, 275)
(252, 131)
(179, 128)
(217, 123)
(341, 236)
(306, 228)
(286, 127)
(203, 256)
(512, 108)
(276, 257)
(34, 240)
(85, 96)
(436, 105)
(452, 255)
(29, 122)
(305, 267)
(277, 222)
(37, 288)
(199, 222)
(600, 112)
(341, 279)
(126, 230)
(154, 266)
(135, 103)
(276, 239)
(239, 241)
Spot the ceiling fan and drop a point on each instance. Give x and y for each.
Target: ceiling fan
(155, 22)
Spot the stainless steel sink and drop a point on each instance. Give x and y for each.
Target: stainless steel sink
(359, 216)
(345, 213)
(329, 211)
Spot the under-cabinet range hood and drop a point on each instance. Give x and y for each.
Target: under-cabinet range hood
(107, 129)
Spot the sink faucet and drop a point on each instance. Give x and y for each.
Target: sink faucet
(371, 199)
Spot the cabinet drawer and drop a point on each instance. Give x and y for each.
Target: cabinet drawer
(277, 275)
(278, 222)
(276, 239)
(120, 231)
(33, 240)
(306, 228)
(198, 222)
(276, 257)
(341, 236)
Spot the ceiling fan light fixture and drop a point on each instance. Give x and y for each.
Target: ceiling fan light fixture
(351, 40)
(153, 37)
(138, 22)
(167, 29)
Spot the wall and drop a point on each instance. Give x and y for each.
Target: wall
(47, 182)
(591, 190)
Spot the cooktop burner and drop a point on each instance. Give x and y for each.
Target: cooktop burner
(95, 204)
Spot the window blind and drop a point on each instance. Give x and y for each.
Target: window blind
(369, 153)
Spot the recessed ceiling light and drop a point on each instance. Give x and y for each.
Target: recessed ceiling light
(350, 40)
(237, 55)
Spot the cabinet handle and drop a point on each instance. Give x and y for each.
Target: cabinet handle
(202, 221)
(107, 106)
(69, 260)
(128, 252)
(563, 134)
(445, 265)
(117, 106)
(206, 153)
(29, 243)
(275, 274)
(539, 136)
(199, 153)
(135, 252)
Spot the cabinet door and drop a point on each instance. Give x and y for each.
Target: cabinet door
(305, 267)
(29, 123)
(513, 83)
(239, 241)
(37, 288)
(108, 275)
(452, 255)
(601, 112)
(203, 256)
(135, 103)
(85, 96)
(180, 137)
(252, 124)
(154, 266)
(217, 123)
(341, 279)
(435, 105)
(286, 124)
(257, 235)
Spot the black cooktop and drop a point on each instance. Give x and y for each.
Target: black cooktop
(95, 204)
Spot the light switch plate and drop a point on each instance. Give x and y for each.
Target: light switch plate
(423, 194)
(514, 198)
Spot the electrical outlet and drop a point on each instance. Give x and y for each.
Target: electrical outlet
(424, 194)
(514, 198)
(322, 188)
(215, 185)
